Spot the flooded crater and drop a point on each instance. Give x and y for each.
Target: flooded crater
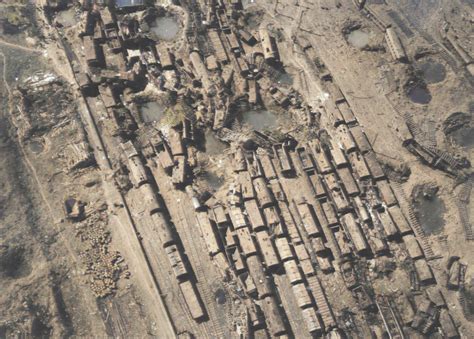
(36, 146)
(166, 28)
(459, 128)
(67, 18)
(359, 38)
(212, 180)
(429, 208)
(213, 145)
(220, 296)
(152, 111)
(419, 94)
(432, 72)
(464, 136)
(259, 119)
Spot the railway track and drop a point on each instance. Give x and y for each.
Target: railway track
(202, 283)
(194, 327)
(187, 233)
(321, 301)
(168, 285)
(430, 134)
(412, 126)
(401, 24)
(128, 225)
(389, 318)
(417, 229)
(464, 198)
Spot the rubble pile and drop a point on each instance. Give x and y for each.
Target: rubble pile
(102, 267)
(44, 103)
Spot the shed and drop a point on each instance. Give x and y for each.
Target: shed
(166, 58)
(269, 50)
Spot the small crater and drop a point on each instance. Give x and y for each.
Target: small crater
(459, 128)
(220, 296)
(213, 145)
(39, 329)
(212, 180)
(13, 261)
(36, 146)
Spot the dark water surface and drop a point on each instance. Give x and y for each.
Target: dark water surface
(433, 72)
(430, 211)
(419, 95)
(260, 119)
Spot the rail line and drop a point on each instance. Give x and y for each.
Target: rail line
(104, 163)
(417, 229)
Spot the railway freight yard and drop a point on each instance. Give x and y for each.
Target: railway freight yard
(237, 169)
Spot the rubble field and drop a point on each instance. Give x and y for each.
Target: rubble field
(236, 169)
